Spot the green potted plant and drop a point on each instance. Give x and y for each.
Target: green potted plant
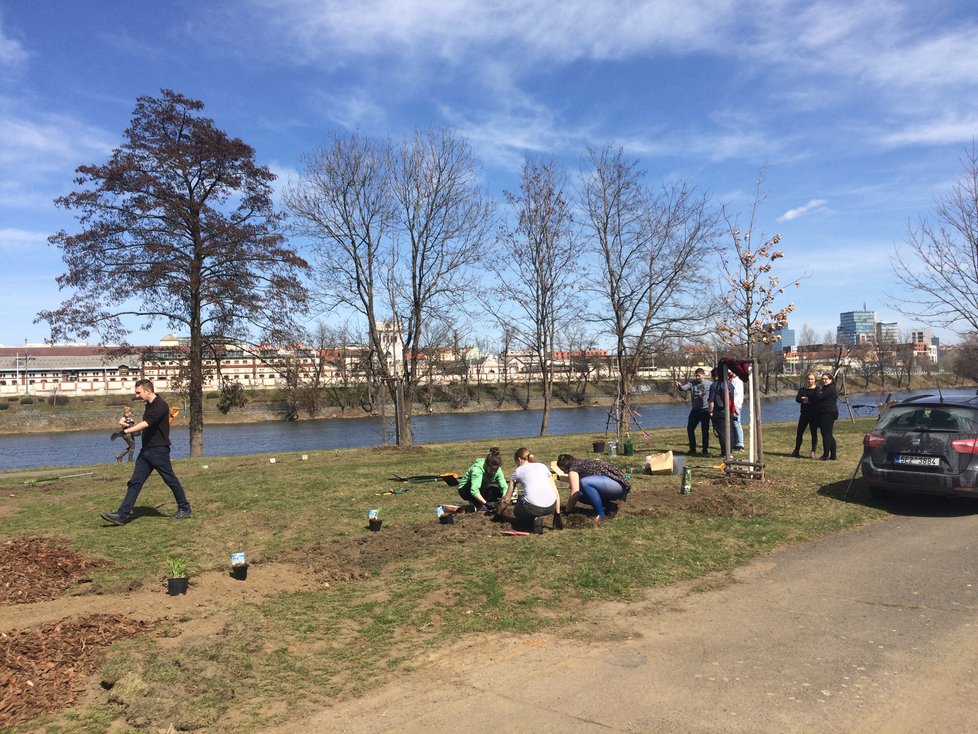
(178, 579)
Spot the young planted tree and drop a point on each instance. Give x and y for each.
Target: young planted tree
(178, 226)
(940, 265)
(752, 312)
(652, 281)
(537, 263)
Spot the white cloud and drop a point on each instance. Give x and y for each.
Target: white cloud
(574, 29)
(938, 130)
(38, 155)
(18, 240)
(12, 51)
(49, 141)
(811, 206)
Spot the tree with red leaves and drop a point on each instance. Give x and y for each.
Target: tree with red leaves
(178, 226)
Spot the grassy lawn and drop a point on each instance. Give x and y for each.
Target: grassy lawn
(379, 600)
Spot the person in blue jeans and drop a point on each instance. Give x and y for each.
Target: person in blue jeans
(593, 482)
(699, 410)
(154, 455)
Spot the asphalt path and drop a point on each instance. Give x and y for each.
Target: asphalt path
(872, 630)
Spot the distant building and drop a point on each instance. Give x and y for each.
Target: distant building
(925, 342)
(856, 327)
(786, 339)
(887, 332)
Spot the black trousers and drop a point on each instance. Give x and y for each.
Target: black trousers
(826, 422)
(810, 422)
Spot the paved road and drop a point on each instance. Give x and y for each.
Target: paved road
(868, 631)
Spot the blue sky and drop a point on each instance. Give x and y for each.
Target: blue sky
(860, 110)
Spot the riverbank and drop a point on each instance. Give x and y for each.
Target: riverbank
(39, 415)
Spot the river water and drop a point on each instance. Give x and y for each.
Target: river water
(74, 448)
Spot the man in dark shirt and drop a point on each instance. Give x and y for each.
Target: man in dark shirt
(155, 454)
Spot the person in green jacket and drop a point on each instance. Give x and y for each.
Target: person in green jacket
(484, 482)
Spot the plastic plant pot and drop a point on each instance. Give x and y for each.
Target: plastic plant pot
(177, 586)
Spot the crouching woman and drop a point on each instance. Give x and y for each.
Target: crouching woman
(593, 482)
(484, 482)
(539, 497)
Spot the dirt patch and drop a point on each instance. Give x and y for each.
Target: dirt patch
(48, 667)
(351, 559)
(33, 569)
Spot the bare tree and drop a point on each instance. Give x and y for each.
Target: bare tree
(940, 266)
(178, 226)
(964, 359)
(443, 220)
(397, 233)
(538, 264)
(754, 289)
(652, 281)
(806, 336)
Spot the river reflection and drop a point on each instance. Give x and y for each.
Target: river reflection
(87, 447)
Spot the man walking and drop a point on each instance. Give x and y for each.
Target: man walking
(155, 454)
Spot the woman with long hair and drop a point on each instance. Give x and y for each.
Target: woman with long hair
(827, 412)
(484, 482)
(539, 497)
(593, 482)
(807, 420)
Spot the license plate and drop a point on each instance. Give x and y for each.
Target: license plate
(917, 460)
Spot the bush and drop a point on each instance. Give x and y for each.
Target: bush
(117, 402)
(27, 401)
(213, 395)
(4, 406)
(58, 400)
(88, 400)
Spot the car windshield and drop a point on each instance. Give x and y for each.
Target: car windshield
(945, 418)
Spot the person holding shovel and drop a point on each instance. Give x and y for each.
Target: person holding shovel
(126, 421)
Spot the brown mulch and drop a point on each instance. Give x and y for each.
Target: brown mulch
(46, 668)
(35, 569)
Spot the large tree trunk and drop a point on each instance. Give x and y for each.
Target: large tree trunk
(196, 392)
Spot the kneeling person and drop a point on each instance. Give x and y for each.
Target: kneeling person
(539, 497)
(484, 482)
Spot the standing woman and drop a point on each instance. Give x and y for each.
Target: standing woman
(826, 413)
(806, 418)
(593, 482)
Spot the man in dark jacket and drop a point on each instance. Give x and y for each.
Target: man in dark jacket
(155, 454)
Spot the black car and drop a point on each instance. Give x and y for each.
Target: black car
(924, 445)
